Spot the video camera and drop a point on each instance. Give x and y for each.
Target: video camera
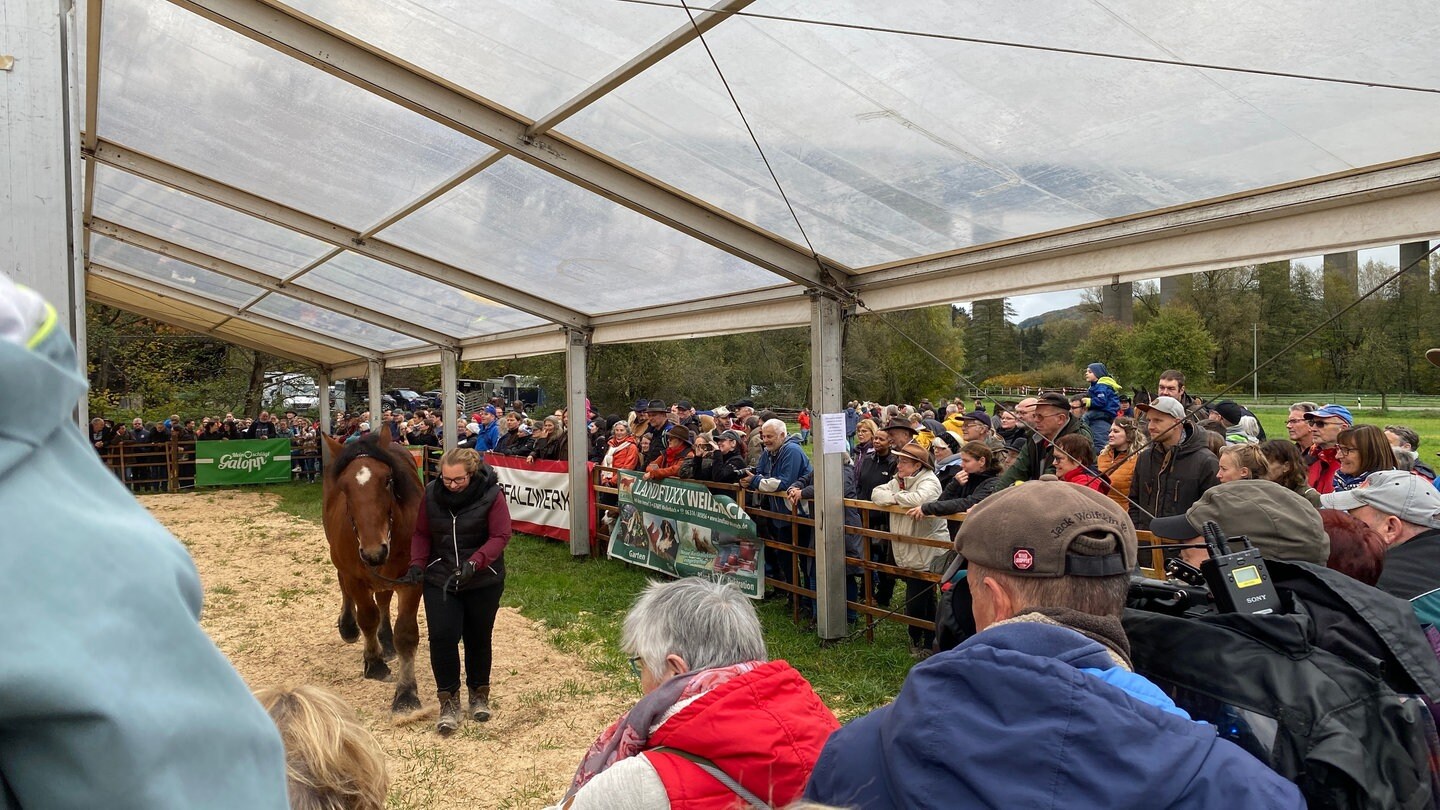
(1227, 582)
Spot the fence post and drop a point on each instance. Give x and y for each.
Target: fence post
(172, 465)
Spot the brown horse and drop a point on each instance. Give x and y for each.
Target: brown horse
(371, 500)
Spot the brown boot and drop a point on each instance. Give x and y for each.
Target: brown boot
(480, 703)
(449, 713)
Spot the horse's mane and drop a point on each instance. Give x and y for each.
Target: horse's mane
(401, 463)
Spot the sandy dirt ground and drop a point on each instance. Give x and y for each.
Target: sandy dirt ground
(271, 601)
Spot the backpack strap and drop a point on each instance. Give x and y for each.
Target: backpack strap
(720, 776)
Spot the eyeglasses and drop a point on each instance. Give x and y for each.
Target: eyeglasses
(634, 665)
(1294, 421)
(1342, 450)
(457, 480)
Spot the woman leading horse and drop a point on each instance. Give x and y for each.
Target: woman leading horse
(458, 552)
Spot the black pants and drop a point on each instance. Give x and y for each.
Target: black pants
(882, 585)
(451, 617)
(920, 604)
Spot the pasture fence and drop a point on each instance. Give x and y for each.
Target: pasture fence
(789, 535)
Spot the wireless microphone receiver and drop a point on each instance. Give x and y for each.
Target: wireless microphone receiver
(1238, 580)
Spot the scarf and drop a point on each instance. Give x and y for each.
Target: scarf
(1343, 482)
(1105, 630)
(457, 500)
(630, 735)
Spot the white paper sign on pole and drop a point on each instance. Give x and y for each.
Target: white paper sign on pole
(832, 433)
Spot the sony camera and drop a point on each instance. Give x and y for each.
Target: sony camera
(1228, 581)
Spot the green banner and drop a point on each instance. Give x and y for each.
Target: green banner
(684, 529)
(247, 461)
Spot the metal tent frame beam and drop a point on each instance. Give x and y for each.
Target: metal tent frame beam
(269, 283)
(94, 17)
(160, 289)
(173, 176)
(352, 61)
(198, 327)
(1360, 187)
(677, 39)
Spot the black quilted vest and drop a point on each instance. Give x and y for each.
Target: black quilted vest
(455, 535)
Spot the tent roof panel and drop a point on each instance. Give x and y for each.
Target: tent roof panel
(200, 224)
(894, 146)
(186, 90)
(169, 272)
(579, 249)
(186, 316)
(528, 55)
(428, 303)
(122, 295)
(315, 319)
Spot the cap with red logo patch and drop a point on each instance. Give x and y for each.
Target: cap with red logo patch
(1049, 529)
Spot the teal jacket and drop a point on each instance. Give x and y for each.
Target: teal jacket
(110, 693)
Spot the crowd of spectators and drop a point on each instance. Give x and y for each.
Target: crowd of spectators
(1157, 458)
(1336, 493)
(1154, 457)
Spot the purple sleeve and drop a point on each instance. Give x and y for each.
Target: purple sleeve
(420, 540)
(499, 534)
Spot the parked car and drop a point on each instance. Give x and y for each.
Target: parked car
(407, 399)
(291, 392)
(435, 398)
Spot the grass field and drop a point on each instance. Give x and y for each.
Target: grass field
(582, 605)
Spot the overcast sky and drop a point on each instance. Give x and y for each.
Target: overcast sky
(1028, 306)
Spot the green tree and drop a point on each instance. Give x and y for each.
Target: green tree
(992, 345)
(167, 369)
(1379, 365)
(1174, 338)
(1061, 338)
(1228, 306)
(881, 364)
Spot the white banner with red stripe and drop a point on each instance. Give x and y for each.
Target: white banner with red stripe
(538, 494)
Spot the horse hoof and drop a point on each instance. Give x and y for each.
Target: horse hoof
(349, 631)
(377, 670)
(405, 703)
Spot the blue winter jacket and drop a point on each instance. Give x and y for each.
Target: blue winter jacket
(110, 693)
(487, 438)
(1037, 716)
(787, 464)
(1104, 396)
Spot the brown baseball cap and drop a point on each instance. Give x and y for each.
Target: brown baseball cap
(1049, 529)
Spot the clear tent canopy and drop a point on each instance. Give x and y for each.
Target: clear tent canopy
(337, 181)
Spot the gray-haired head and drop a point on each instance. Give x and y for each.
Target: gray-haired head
(707, 623)
(775, 424)
(1250, 426)
(1405, 459)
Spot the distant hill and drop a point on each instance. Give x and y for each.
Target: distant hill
(1071, 313)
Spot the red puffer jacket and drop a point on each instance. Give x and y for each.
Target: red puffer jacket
(764, 729)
